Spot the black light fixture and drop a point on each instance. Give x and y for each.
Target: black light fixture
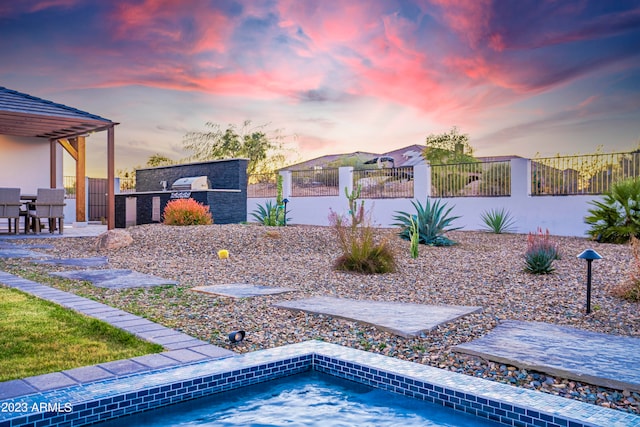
(589, 255)
(236, 336)
(284, 202)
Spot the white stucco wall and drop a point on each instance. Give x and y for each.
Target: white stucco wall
(562, 215)
(24, 163)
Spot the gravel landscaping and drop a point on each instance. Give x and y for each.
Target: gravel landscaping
(484, 269)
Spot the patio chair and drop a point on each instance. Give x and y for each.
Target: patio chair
(49, 204)
(10, 206)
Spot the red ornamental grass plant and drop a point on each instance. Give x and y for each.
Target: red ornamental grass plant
(356, 237)
(541, 252)
(186, 212)
(630, 289)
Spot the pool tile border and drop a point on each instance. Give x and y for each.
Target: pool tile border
(87, 403)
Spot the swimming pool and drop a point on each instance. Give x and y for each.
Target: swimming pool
(309, 399)
(89, 403)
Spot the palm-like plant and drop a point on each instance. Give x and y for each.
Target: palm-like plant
(617, 217)
(498, 221)
(432, 219)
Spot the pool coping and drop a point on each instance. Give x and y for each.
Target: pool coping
(86, 403)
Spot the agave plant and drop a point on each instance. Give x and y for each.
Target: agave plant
(432, 219)
(498, 221)
(617, 217)
(539, 261)
(270, 214)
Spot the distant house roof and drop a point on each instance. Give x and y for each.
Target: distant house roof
(406, 156)
(25, 115)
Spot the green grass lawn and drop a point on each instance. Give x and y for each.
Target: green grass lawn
(38, 337)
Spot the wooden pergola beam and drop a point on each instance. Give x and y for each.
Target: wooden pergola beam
(81, 192)
(111, 178)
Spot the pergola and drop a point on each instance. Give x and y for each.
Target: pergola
(28, 116)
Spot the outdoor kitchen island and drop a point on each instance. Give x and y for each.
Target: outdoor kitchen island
(219, 184)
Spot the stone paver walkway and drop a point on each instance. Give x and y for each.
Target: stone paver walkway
(97, 261)
(407, 320)
(115, 278)
(182, 348)
(240, 290)
(595, 358)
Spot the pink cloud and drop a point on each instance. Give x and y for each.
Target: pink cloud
(160, 25)
(470, 19)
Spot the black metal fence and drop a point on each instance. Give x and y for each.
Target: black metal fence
(478, 179)
(585, 174)
(262, 185)
(311, 183)
(384, 183)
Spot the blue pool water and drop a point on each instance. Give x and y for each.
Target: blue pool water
(310, 399)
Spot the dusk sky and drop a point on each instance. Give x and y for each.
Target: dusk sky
(519, 76)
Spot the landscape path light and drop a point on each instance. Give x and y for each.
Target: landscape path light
(589, 255)
(236, 336)
(284, 202)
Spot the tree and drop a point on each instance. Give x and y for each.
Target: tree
(265, 152)
(448, 148)
(159, 160)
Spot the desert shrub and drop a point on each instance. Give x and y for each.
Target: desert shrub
(541, 252)
(498, 221)
(271, 214)
(617, 217)
(414, 237)
(361, 253)
(432, 220)
(630, 289)
(186, 212)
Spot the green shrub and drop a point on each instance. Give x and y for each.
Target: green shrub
(540, 254)
(498, 221)
(414, 237)
(356, 238)
(617, 217)
(432, 220)
(186, 212)
(271, 214)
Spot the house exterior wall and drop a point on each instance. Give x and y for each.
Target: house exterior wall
(562, 215)
(24, 163)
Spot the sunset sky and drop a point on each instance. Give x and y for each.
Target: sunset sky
(520, 77)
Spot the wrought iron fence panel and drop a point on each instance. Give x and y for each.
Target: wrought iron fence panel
(384, 183)
(70, 187)
(317, 182)
(262, 185)
(584, 174)
(476, 179)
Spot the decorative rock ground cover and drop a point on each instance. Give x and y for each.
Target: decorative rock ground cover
(483, 270)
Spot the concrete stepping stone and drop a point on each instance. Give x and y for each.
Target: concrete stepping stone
(21, 253)
(240, 290)
(99, 261)
(407, 320)
(591, 357)
(115, 278)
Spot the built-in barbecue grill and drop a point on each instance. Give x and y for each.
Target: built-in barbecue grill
(191, 183)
